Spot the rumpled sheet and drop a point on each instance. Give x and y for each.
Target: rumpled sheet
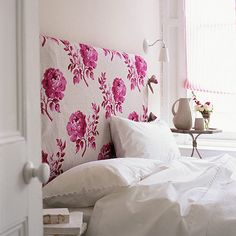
(189, 197)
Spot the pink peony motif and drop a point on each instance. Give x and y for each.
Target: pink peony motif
(89, 55)
(76, 127)
(106, 152)
(54, 83)
(133, 116)
(83, 60)
(136, 71)
(141, 66)
(83, 130)
(112, 98)
(119, 90)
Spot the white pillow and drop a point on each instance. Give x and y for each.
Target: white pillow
(83, 185)
(152, 140)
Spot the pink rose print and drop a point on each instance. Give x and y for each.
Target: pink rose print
(76, 126)
(141, 66)
(82, 61)
(54, 85)
(107, 151)
(118, 90)
(83, 130)
(55, 162)
(89, 55)
(112, 52)
(133, 116)
(44, 39)
(142, 118)
(136, 71)
(112, 98)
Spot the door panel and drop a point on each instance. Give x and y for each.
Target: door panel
(9, 90)
(20, 204)
(16, 230)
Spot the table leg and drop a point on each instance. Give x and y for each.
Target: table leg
(194, 144)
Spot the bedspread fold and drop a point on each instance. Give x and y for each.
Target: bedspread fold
(190, 198)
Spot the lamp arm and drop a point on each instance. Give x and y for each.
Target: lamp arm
(158, 40)
(164, 50)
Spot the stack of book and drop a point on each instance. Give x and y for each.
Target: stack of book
(56, 216)
(59, 221)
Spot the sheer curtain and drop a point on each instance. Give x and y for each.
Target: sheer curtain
(211, 58)
(211, 46)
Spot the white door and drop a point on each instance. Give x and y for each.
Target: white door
(20, 203)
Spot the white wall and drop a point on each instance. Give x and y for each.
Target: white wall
(122, 25)
(114, 24)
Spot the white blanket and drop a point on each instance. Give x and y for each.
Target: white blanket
(189, 197)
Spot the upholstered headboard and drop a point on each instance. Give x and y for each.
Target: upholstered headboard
(81, 87)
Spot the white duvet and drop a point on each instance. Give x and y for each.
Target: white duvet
(189, 197)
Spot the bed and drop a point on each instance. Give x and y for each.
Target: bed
(106, 159)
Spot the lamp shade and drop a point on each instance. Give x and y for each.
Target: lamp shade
(164, 54)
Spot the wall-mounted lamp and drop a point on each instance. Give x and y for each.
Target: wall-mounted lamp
(164, 53)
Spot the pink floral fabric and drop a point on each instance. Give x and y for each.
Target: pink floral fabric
(89, 55)
(133, 116)
(54, 85)
(44, 39)
(56, 160)
(141, 118)
(107, 151)
(81, 88)
(118, 90)
(83, 130)
(141, 66)
(113, 53)
(76, 127)
(83, 60)
(136, 71)
(112, 98)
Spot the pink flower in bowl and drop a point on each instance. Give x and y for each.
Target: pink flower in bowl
(54, 83)
(76, 126)
(89, 55)
(141, 66)
(119, 90)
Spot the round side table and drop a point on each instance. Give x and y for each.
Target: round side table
(194, 135)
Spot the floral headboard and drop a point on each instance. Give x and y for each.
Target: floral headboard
(81, 87)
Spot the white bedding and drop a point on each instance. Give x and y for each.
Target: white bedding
(87, 212)
(189, 198)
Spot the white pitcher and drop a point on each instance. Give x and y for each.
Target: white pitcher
(183, 117)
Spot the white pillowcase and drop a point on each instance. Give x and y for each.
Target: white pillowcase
(152, 140)
(83, 185)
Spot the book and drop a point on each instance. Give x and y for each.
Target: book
(56, 216)
(75, 227)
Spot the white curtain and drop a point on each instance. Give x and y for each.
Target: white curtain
(211, 45)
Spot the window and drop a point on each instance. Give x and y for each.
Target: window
(176, 82)
(211, 58)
